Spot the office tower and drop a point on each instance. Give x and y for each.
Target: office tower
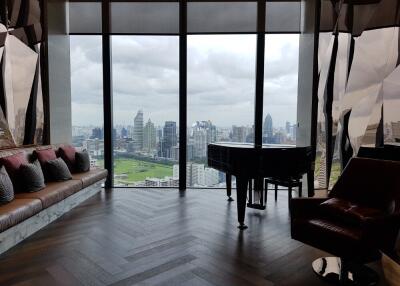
(268, 130)
(293, 130)
(97, 133)
(190, 150)
(203, 133)
(200, 143)
(169, 138)
(396, 131)
(239, 133)
(268, 126)
(124, 132)
(149, 136)
(175, 152)
(288, 126)
(138, 131)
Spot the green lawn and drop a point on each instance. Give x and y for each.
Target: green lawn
(137, 170)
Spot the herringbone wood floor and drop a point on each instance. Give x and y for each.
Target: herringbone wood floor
(162, 237)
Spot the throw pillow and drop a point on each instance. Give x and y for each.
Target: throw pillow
(57, 170)
(67, 153)
(31, 177)
(44, 155)
(82, 161)
(6, 187)
(12, 164)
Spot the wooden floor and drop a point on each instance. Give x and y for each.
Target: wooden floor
(162, 237)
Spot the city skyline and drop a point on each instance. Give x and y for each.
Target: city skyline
(221, 79)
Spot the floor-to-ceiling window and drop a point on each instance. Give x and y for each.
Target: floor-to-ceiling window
(221, 78)
(221, 83)
(145, 93)
(87, 96)
(280, 88)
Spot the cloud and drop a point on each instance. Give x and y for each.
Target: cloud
(221, 78)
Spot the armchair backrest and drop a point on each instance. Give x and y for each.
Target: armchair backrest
(370, 182)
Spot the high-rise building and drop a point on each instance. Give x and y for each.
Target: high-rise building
(268, 129)
(190, 150)
(97, 133)
(396, 131)
(124, 132)
(149, 136)
(138, 131)
(200, 143)
(170, 138)
(203, 133)
(239, 133)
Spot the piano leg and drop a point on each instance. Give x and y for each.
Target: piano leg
(310, 183)
(241, 195)
(229, 187)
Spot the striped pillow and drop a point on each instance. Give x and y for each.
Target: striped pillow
(58, 171)
(31, 176)
(6, 187)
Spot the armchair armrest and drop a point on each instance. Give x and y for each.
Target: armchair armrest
(305, 207)
(382, 230)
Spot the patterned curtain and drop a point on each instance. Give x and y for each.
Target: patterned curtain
(359, 82)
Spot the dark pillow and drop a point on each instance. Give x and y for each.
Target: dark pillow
(82, 161)
(6, 187)
(57, 170)
(67, 153)
(12, 164)
(31, 177)
(44, 155)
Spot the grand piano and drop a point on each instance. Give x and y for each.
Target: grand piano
(246, 162)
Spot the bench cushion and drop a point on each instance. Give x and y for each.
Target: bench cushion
(17, 211)
(54, 192)
(90, 177)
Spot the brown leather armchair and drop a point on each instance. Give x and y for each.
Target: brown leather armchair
(360, 217)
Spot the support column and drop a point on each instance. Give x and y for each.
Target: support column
(59, 125)
(307, 101)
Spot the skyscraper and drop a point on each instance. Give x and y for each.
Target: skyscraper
(288, 126)
(149, 136)
(268, 129)
(204, 133)
(138, 131)
(239, 133)
(169, 138)
(124, 132)
(200, 143)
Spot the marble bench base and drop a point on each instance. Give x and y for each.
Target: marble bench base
(26, 228)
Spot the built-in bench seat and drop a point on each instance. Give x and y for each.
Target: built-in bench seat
(91, 177)
(29, 212)
(18, 210)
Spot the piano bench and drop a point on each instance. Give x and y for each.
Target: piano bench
(290, 183)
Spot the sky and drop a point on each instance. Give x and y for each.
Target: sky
(221, 78)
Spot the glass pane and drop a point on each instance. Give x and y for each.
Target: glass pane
(145, 17)
(146, 93)
(282, 17)
(222, 17)
(221, 84)
(85, 17)
(280, 88)
(87, 96)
